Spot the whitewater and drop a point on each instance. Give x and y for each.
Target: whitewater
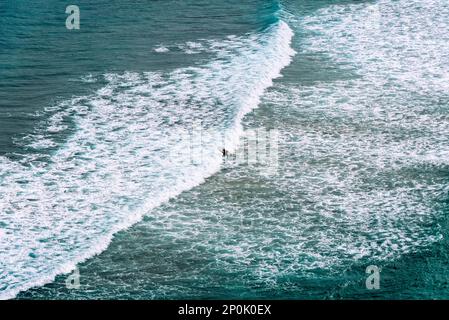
(123, 158)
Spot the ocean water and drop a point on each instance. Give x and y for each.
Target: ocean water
(95, 173)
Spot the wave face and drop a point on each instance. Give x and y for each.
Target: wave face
(123, 158)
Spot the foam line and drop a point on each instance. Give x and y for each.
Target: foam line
(119, 163)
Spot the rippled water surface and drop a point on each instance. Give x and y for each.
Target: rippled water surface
(358, 92)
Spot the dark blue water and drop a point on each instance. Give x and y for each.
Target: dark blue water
(90, 120)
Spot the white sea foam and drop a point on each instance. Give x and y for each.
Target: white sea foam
(89, 79)
(161, 49)
(119, 163)
(191, 47)
(365, 150)
(406, 39)
(363, 155)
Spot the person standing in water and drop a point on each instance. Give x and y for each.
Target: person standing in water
(224, 152)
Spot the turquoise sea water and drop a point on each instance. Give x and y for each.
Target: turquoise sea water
(90, 120)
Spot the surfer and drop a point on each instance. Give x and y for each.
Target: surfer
(224, 152)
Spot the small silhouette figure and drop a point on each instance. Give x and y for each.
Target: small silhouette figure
(224, 152)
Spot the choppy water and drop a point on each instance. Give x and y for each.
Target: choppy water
(91, 121)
